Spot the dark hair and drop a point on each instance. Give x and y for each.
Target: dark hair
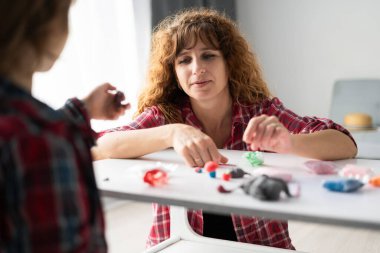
(246, 83)
(26, 21)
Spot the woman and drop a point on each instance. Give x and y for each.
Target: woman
(205, 92)
(49, 201)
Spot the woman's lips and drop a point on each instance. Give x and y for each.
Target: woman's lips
(201, 83)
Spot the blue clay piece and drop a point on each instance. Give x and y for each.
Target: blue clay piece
(212, 174)
(345, 185)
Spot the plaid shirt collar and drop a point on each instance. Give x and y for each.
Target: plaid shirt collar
(241, 114)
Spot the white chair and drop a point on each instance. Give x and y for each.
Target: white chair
(356, 95)
(359, 96)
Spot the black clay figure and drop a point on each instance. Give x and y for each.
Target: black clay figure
(263, 188)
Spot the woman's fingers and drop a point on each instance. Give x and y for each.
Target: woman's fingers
(250, 131)
(269, 135)
(196, 147)
(189, 157)
(263, 132)
(202, 151)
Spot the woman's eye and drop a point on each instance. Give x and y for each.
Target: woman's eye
(208, 56)
(184, 61)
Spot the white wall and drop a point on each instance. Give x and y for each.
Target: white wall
(109, 42)
(305, 45)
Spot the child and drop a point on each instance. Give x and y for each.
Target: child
(49, 200)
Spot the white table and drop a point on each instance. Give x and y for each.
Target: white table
(122, 178)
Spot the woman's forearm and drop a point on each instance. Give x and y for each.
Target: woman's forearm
(133, 143)
(324, 145)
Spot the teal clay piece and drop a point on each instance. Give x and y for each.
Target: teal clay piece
(254, 158)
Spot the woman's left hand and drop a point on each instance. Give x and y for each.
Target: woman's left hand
(268, 133)
(105, 102)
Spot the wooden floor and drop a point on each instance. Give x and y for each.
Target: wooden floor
(128, 224)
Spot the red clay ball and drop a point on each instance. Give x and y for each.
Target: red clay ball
(211, 166)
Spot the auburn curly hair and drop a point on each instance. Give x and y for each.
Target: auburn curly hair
(173, 34)
(26, 22)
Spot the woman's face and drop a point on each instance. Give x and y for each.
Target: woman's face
(202, 72)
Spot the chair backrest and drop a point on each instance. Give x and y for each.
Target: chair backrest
(356, 95)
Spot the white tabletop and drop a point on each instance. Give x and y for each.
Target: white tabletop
(122, 178)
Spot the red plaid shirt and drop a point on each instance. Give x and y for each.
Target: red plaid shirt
(254, 230)
(49, 200)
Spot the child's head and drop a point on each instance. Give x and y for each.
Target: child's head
(32, 33)
(215, 30)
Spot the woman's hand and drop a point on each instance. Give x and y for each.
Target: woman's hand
(196, 147)
(105, 102)
(268, 133)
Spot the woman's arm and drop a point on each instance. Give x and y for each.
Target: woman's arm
(133, 143)
(195, 147)
(326, 144)
(267, 133)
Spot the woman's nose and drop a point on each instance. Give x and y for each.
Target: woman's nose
(198, 68)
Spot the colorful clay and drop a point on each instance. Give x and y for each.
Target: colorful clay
(198, 169)
(211, 166)
(238, 173)
(226, 176)
(254, 158)
(156, 177)
(375, 181)
(356, 172)
(345, 185)
(263, 188)
(321, 167)
(212, 174)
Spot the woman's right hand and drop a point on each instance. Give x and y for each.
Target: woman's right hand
(195, 147)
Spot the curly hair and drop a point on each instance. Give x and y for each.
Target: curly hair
(173, 34)
(26, 21)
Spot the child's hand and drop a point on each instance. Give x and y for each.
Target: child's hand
(268, 133)
(105, 102)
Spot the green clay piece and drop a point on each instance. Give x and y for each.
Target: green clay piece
(254, 158)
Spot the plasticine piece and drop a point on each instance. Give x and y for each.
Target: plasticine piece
(198, 169)
(266, 188)
(226, 176)
(212, 174)
(238, 173)
(287, 177)
(356, 172)
(321, 167)
(254, 158)
(155, 177)
(375, 181)
(345, 185)
(263, 188)
(211, 166)
(221, 189)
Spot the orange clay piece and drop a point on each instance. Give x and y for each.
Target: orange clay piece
(375, 181)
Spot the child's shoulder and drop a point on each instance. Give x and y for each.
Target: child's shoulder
(11, 126)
